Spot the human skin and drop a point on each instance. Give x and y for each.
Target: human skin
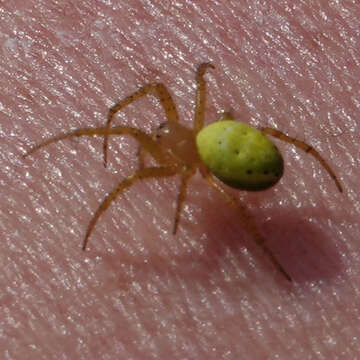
(209, 292)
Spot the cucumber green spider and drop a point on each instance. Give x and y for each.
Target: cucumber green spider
(237, 154)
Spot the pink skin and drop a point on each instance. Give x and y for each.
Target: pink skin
(139, 292)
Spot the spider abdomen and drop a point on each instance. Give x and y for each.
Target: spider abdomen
(239, 155)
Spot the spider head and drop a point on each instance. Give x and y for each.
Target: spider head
(179, 140)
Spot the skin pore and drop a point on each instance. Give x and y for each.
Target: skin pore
(208, 292)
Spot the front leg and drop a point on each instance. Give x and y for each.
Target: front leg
(146, 141)
(159, 90)
(200, 97)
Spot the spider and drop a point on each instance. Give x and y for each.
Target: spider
(236, 154)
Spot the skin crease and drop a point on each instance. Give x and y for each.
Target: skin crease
(209, 292)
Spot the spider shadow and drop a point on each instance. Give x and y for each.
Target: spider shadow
(303, 250)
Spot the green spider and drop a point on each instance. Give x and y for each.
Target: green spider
(235, 153)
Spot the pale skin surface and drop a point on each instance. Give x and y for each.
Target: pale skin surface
(207, 293)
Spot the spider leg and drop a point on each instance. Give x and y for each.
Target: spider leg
(182, 195)
(200, 97)
(307, 148)
(246, 220)
(141, 157)
(160, 91)
(150, 172)
(146, 141)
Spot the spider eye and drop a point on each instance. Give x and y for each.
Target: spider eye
(239, 155)
(162, 129)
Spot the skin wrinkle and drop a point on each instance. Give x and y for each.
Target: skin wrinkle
(208, 292)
